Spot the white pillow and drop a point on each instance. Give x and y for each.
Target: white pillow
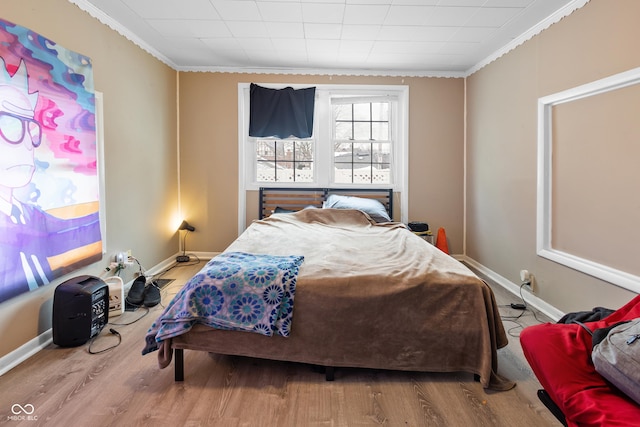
(371, 207)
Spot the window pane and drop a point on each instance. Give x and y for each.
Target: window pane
(284, 151)
(380, 111)
(362, 163)
(361, 131)
(362, 112)
(362, 154)
(265, 149)
(381, 164)
(362, 174)
(284, 173)
(343, 131)
(380, 131)
(342, 112)
(284, 161)
(304, 151)
(265, 171)
(343, 176)
(304, 172)
(381, 152)
(343, 153)
(343, 162)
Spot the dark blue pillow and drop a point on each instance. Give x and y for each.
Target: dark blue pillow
(278, 209)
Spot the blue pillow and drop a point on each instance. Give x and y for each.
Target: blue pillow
(371, 207)
(278, 209)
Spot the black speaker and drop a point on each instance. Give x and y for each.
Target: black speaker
(80, 310)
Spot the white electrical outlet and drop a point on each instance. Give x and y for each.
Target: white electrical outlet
(525, 276)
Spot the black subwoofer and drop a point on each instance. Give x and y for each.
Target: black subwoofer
(80, 310)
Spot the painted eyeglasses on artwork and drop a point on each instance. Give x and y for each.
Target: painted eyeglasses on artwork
(14, 128)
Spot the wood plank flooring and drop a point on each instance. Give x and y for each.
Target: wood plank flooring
(70, 387)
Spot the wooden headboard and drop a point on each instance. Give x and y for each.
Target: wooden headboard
(295, 199)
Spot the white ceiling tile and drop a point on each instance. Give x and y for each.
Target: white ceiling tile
(322, 31)
(167, 9)
(323, 46)
(456, 48)
(264, 57)
(235, 10)
(412, 33)
(253, 43)
(512, 3)
(230, 58)
(493, 16)
(450, 16)
(293, 45)
(406, 47)
(293, 30)
(280, 11)
(466, 3)
(190, 28)
(408, 15)
(355, 46)
(415, 2)
(360, 32)
(387, 2)
(300, 57)
(365, 14)
(220, 44)
(323, 13)
(247, 29)
(472, 34)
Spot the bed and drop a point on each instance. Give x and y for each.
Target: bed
(368, 294)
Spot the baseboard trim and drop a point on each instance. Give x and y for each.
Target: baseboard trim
(25, 351)
(541, 305)
(22, 353)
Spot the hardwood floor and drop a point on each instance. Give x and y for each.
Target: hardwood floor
(70, 387)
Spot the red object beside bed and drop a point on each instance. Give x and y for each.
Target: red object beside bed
(560, 356)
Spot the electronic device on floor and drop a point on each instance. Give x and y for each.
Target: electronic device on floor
(116, 295)
(80, 310)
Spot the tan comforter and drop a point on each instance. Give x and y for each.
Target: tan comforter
(368, 295)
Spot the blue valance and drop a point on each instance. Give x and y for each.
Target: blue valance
(281, 112)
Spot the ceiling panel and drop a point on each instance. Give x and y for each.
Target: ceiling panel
(416, 37)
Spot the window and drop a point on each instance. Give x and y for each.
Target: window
(360, 139)
(281, 160)
(362, 142)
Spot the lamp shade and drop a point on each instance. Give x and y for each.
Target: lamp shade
(185, 226)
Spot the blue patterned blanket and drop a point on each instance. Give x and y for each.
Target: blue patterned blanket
(234, 291)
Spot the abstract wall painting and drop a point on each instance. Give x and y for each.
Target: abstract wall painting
(49, 183)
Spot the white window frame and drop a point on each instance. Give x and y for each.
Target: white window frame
(393, 137)
(323, 140)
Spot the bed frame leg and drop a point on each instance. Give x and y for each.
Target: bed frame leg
(329, 373)
(179, 364)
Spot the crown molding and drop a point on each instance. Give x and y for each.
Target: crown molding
(117, 27)
(554, 18)
(325, 72)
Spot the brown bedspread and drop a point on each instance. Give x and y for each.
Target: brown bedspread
(368, 295)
